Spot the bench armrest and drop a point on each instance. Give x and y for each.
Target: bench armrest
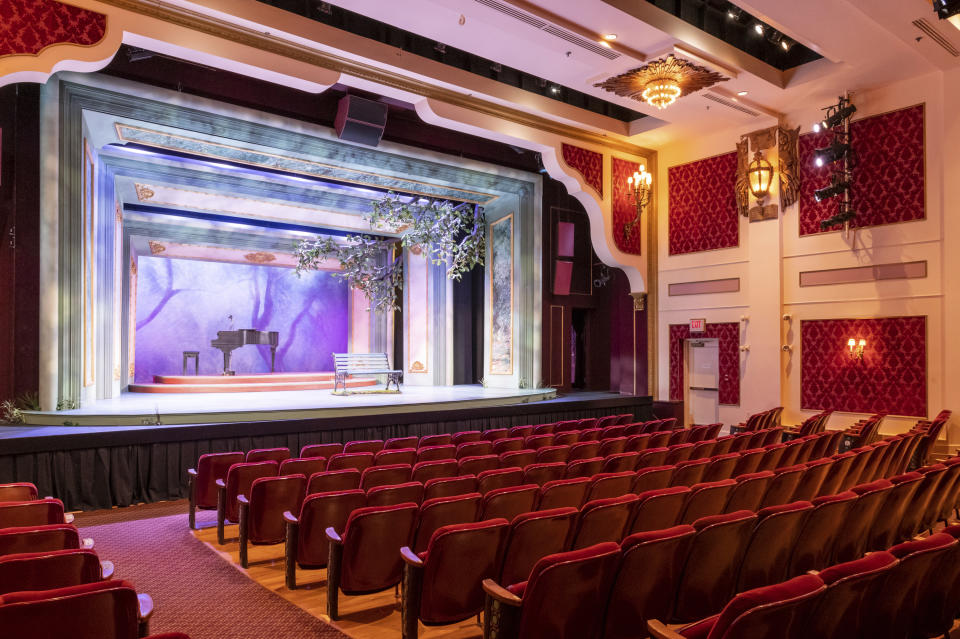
(500, 593)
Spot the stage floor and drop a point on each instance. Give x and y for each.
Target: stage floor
(138, 409)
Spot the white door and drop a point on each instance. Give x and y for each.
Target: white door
(703, 375)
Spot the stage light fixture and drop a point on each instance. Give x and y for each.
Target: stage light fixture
(830, 154)
(758, 28)
(786, 44)
(838, 186)
(734, 13)
(835, 116)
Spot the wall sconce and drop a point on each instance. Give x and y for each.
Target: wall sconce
(856, 348)
(638, 185)
(760, 176)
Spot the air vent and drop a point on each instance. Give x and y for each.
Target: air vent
(729, 103)
(553, 30)
(936, 36)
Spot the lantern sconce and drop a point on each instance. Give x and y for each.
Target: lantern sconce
(856, 348)
(760, 175)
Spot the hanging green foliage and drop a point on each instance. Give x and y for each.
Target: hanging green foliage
(448, 234)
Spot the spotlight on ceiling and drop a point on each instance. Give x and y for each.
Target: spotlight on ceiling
(734, 13)
(741, 93)
(554, 89)
(835, 117)
(758, 28)
(786, 44)
(774, 37)
(609, 37)
(838, 186)
(830, 154)
(946, 8)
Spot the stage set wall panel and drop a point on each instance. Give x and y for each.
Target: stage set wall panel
(183, 303)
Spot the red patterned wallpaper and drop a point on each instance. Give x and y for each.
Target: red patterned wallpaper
(28, 26)
(703, 205)
(892, 377)
(888, 179)
(588, 163)
(624, 207)
(728, 335)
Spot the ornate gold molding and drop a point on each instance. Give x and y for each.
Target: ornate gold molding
(260, 257)
(788, 150)
(202, 23)
(156, 248)
(639, 301)
(689, 77)
(144, 193)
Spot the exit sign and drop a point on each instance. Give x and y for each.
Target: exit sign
(698, 325)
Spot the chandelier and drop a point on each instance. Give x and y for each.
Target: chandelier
(661, 93)
(661, 82)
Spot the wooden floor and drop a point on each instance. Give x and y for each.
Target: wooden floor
(375, 616)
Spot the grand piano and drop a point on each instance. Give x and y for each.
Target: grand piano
(228, 341)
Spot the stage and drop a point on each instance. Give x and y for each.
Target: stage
(138, 409)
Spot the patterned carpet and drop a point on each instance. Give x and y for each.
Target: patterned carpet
(193, 590)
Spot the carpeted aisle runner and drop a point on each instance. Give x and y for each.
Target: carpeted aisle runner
(193, 590)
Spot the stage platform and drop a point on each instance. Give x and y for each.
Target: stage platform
(139, 409)
(260, 383)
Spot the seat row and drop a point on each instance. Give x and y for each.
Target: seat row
(758, 421)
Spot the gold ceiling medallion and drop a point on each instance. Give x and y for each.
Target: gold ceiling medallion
(143, 192)
(260, 257)
(661, 82)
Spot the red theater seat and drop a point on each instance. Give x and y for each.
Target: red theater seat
(334, 480)
(653, 456)
(749, 461)
(812, 480)
(710, 572)
(605, 485)
(705, 448)
(267, 454)
(507, 444)
(749, 491)
(51, 569)
(854, 535)
(366, 558)
(833, 480)
(442, 585)
(321, 450)
(636, 443)
(814, 546)
(261, 515)
(646, 580)
(494, 434)
(520, 431)
(240, 478)
(306, 467)
(501, 478)
(25, 491)
(400, 443)
(652, 478)
(706, 498)
(590, 434)
(364, 446)
(603, 520)
(783, 485)
(443, 439)
(465, 436)
(583, 450)
(690, 472)
(569, 425)
(474, 449)
(659, 439)
(563, 493)
(536, 442)
(519, 458)
(407, 492)
(384, 475)
(568, 438)
(620, 462)
(38, 512)
(534, 535)
(392, 456)
(443, 511)
(720, 467)
(563, 598)
(449, 486)
(553, 454)
(583, 467)
(40, 539)
(307, 545)
(542, 473)
(842, 609)
(767, 556)
(913, 519)
(658, 509)
(358, 461)
(427, 470)
(885, 530)
(507, 503)
(202, 482)
(612, 446)
(477, 465)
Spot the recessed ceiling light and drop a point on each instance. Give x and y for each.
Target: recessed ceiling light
(604, 43)
(609, 37)
(758, 28)
(741, 93)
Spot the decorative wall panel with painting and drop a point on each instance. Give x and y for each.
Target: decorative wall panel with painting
(888, 180)
(891, 377)
(501, 296)
(624, 208)
(703, 205)
(728, 336)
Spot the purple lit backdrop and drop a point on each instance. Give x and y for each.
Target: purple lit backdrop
(181, 304)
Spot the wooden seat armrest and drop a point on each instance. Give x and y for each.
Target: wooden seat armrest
(660, 630)
(106, 569)
(501, 594)
(221, 484)
(146, 605)
(68, 518)
(333, 536)
(86, 543)
(243, 500)
(410, 557)
(290, 518)
(192, 471)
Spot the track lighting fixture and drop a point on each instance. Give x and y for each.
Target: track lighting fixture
(829, 154)
(836, 114)
(838, 186)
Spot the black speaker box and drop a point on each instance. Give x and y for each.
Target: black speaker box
(360, 120)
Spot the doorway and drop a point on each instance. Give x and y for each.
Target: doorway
(702, 381)
(579, 324)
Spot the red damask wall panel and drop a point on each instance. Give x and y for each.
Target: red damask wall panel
(892, 377)
(29, 26)
(588, 163)
(624, 207)
(888, 180)
(728, 336)
(703, 205)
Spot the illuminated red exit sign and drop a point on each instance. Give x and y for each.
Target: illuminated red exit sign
(698, 325)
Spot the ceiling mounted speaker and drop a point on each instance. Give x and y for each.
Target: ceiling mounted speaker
(360, 120)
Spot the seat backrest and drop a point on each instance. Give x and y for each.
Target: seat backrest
(838, 472)
(913, 519)
(749, 491)
(783, 485)
(519, 458)
(425, 470)
(474, 449)
(563, 493)
(604, 485)
(385, 475)
(333, 480)
(319, 512)
(372, 540)
(886, 526)
(398, 443)
(652, 478)
(210, 468)
(855, 534)
(855, 471)
(533, 442)
(584, 467)
(436, 453)
(623, 419)
(38, 512)
(459, 557)
(658, 509)
(566, 593)
(48, 570)
(912, 579)
(240, 478)
(494, 434)
(270, 497)
(604, 520)
(590, 434)
(814, 546)
(583, 450)
(612, 445)
(766, 558)
(636, 443)
(552, 454)
(720, 467)
(710, 572)
(838, 613)
(507, 444)
(449, 486)
(442, 439)
(38, 539)
(25, 491)
(360, 461)
(411, 491)
(678, 437)
(444, 511)
(772, 455)
(646, 579)
(534, 535)
(522, 431)
(391, 456)
(542, 473)
(703, 448)
(489, 480)
(653, 457)
(779, 610)
(812, 480)
(267, 454)
(659, 439)
(321, 450)
(707, 498)
(749, 461)
(620, 462)
(545, 429)
(364, 446)
(689, 472)
(99, 610)
(305, 467)
(567, 438)
(465, 436)
(723, 445)
(477, 465)
(507, 503)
